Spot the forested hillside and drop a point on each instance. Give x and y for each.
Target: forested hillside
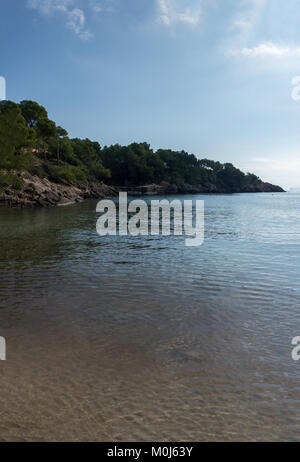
(30, 141)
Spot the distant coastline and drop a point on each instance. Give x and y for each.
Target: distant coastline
(41, 166)
(41, 192)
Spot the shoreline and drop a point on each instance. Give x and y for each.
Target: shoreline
(41, 192)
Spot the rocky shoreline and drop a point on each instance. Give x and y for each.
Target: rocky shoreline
(40, 192)
(208, 188)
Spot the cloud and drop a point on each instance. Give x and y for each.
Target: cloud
(47, 7)
(75, 17)
(268, 49)
(248, 17)
(102, 6)
(260, 18)
(169, 13)
(76, 22)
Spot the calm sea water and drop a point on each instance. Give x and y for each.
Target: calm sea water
(125, 338)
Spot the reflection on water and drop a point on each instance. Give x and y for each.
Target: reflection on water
(123, 338)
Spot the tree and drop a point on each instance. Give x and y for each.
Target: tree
(60, 134)
(33, 112)
(46, 129)
(13, 135)
(231, 177)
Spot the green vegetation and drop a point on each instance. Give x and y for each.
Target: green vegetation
(10, 179)
(138, 164)
(29, 140)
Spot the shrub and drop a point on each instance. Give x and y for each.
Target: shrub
(66, 174)
(10, 179)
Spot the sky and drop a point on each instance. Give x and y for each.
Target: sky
(212, 77)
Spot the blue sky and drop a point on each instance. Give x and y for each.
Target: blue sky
(213, 77)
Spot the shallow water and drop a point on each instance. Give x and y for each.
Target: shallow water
(143, 338)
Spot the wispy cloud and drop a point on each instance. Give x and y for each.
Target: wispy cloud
(254, 22)
(248, 17)
(266, 49)
(102, 6)
(74, 16)
(49, 6)
(170, 13)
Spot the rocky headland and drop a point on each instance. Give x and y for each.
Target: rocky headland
(41, 192)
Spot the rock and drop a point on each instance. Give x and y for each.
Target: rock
(206, 188)
(40, 192)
